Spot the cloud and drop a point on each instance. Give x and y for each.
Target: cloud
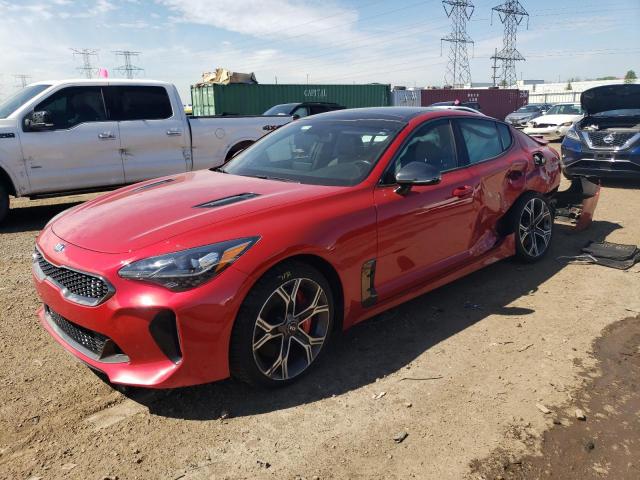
(275, 19)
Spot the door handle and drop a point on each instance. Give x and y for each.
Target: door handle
(106, 136)
(463, 191)
(174, 131)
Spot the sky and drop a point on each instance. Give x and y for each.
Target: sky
(320, 41)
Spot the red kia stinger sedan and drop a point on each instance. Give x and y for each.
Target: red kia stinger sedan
(247, 270)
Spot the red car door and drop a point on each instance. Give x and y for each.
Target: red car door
(497, 170)
(429, 229)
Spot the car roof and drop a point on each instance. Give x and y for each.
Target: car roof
(402, 114)
(104, 81)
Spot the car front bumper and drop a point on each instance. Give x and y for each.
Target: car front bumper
(577, 159)
(546, 132)
(156, 338)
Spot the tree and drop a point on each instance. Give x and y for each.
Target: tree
(569, 87)
(630, 77)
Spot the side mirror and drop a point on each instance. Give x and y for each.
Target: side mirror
(37, 121)
(416, 173)
(296, 116)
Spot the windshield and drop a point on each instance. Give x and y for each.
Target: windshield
(625, 112)
(529, 109)
(565, 110)
(18, 99)
(318, 151)
(284, 109)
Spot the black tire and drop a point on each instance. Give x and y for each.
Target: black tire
(256, 347)
(237, 148)
(4, 201)
(531, 219)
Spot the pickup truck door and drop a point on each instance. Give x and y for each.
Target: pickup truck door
(153, 136)
(79, 150)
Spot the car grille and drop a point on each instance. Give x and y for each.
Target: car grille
(93, 344)
(89, 288)
(543, 125)
(597, 139)
(90, 340)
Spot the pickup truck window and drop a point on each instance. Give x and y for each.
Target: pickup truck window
(138, 103)
(74, 105)
(301, 112)
(18, 99)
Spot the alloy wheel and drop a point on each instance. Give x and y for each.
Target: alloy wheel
(291, 329)
(535, 227)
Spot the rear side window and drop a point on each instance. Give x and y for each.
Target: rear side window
(74, 105)
(505, 136)
(138, 103)
(481, 139)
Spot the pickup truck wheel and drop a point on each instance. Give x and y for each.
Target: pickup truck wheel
(4, 201)
(532, 223)
(236, 149)
(283, 326)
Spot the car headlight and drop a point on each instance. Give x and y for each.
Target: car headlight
(186, 269)
(566, 124)
(572, 133)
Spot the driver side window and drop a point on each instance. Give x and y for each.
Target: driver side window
(432, 143)
(75, 105)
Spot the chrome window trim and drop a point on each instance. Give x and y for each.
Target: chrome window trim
(79, 299)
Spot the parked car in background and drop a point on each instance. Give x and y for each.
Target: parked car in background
(199, 276)
(555, 123)
(456, 103)
(303, 109)
(456, 107)
(72, 136)
(606, 143)
(523, 115)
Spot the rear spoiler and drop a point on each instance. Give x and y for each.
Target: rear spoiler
(576, 205)
(540, 139)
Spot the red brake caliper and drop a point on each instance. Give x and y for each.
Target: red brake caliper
(300, 300)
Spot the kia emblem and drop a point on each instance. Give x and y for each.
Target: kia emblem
(59, 247)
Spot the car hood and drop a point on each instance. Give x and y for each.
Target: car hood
(610, 97)
(147, 213)
(7, 123)
(556, 119)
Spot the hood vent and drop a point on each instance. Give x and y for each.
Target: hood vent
(154, 184)
(221, 202)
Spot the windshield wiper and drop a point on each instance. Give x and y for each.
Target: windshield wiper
(268, 177)
(219, 170)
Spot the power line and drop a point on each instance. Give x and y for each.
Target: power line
(22, 80)
(511, 14)
(86, 53)
(458, 71)
(128, 69)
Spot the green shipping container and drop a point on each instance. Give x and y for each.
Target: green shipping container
(241, 99)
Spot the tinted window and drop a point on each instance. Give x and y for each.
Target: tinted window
(15, 101)
(481, 139)
(317, 151)
(139, 103)
(74, 105)
(505, 136)
(315, 109)
(301, 112)
(431, 143)
(284, 109)
(565, 110)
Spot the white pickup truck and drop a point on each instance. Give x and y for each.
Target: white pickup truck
(75, 136)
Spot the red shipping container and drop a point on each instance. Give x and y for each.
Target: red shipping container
(496, 103)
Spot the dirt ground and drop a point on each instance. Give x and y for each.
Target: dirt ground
(459, 370)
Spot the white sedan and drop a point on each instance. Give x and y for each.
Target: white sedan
(556, 122)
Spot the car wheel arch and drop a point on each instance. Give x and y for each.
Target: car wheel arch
(325, 268)
(6, 180)
(504, 226)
